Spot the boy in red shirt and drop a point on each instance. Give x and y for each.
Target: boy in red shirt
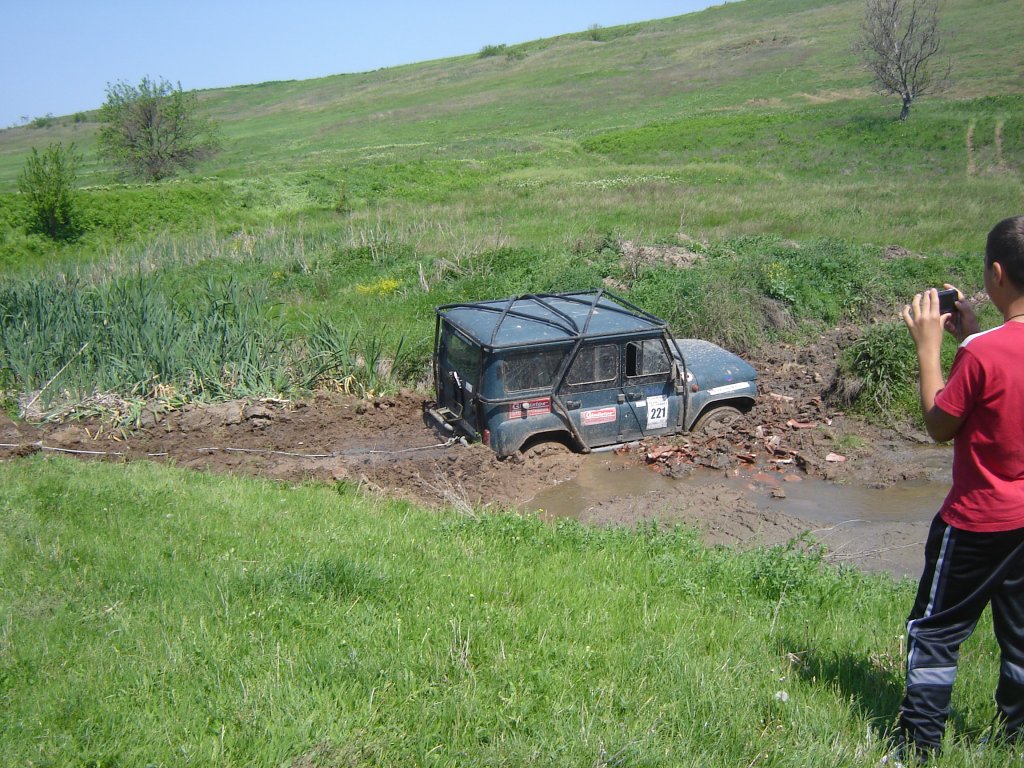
(975, 549)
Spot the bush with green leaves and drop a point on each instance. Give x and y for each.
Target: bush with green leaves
(154, 129)
(48, 183)
(492, 50)
(883, 366)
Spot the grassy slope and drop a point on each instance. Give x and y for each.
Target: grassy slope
(779, 106)
(471, 176)
(159, 617)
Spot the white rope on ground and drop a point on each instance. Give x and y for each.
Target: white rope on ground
(54, 448)
(447, 444)
(268, 450)
(39, 444)
(865, 552)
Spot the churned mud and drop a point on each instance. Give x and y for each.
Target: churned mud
(796, 463)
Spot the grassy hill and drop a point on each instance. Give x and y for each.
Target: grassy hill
(739, 102)
(747, 131)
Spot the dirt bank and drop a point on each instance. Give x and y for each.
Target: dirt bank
(386, 446)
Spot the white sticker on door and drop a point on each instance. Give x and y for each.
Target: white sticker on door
(599, 416)
(657, 412)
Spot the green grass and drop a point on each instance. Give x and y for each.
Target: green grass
(152, 335)
(750, 118)
(158, 617)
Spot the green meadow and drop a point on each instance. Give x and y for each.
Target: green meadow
(157, 617)
(154, 616)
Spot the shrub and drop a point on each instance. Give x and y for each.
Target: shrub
(884, 366)
(43, 121)
(48, 182)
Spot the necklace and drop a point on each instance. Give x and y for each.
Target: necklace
(1014, 317)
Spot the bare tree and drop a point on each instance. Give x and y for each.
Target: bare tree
(900, 42)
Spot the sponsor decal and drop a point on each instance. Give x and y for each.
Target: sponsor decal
(657, 412)
(526, 408)
(729, 388)
(599, 416)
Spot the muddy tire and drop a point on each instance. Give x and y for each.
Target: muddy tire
(717, 419)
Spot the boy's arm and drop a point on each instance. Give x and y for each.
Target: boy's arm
(941, 426)
(926, 325)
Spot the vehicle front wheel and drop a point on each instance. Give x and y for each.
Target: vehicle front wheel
(716, 420)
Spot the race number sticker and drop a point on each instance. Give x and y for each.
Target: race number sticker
(657, 412)
(599, 416)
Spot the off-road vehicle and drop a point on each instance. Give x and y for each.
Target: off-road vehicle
(588, 369)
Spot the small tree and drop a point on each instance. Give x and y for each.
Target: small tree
(48, 181)
(900, 40)
(153, 130)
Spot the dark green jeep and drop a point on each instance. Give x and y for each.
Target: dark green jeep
(588, 369)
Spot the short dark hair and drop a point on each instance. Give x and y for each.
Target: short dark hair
(1006, 245)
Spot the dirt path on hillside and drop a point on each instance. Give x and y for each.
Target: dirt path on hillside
(386, 446)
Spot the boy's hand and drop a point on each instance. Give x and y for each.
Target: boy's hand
(963, 322)
(925, 323)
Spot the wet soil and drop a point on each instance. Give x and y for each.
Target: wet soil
(781, 471)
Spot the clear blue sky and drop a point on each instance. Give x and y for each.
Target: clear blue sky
(57, 56)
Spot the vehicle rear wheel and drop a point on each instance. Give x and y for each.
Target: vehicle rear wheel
(717, 420)
(547, 442)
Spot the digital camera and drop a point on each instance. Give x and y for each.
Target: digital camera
(947, 301)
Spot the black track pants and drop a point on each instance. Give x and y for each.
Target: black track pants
(963, 573)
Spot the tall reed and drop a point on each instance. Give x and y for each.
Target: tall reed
(61, 338)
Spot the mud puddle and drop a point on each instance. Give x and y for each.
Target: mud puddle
(821, 502)
(881, 529)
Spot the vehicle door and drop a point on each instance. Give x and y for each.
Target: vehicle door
(592, 394)
(652, 402)
(458, 373)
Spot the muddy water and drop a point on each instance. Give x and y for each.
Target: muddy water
(874, 528)
(821, 502)
(599, 479)
(817, 501)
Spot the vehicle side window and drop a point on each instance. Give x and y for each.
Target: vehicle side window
(462, 356)
(594, 365)
(531, 370)
(647, 358)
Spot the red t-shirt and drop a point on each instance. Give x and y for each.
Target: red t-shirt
(986, 387)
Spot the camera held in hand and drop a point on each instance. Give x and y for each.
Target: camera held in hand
(947, 301)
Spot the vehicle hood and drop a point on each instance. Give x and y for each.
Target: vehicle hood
(715, 368)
